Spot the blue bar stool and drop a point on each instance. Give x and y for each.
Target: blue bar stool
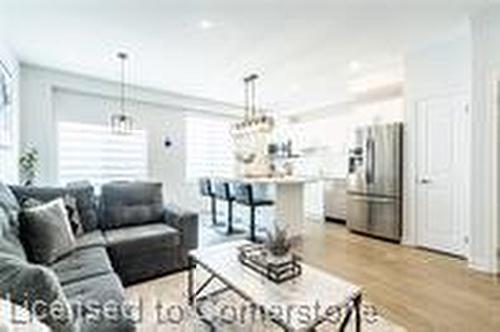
(247, 195)
(223, 191)
(206, 190)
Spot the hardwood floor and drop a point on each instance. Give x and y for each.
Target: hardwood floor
(414, 288)
(418, 289)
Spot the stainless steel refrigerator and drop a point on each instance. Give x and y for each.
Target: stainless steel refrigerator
(374, 181)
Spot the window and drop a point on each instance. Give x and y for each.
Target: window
(8, 166)
(209, 147)
(91, 152)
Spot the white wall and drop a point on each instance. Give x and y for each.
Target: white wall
(331, 135)
(50, 96)
(10, 156)
(486, 70)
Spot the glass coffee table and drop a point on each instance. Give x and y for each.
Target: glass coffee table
(301, 304)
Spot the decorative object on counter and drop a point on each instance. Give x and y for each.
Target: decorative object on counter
(28, 166)
(275, 268)
(121, 122)
(245, 158)
(282, 156)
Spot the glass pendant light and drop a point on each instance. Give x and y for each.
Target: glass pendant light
(122, 123)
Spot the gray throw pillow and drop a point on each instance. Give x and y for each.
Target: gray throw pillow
(70, 203)
(85, 199)
(46, 232)
(37, 289)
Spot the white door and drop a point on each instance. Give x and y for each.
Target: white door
(442, 172)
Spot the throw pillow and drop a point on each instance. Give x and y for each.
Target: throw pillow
(70, 204)
(46, 232)
(37, 289)
(85, 198)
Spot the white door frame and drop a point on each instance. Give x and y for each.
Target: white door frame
(494, 84)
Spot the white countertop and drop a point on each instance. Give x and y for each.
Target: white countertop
(271, 180)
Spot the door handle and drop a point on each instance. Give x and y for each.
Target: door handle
(379, 200)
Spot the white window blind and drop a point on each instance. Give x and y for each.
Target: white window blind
(8, 157)
(91, 152)
(209, 147)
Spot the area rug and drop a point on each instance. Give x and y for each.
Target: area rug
(161, 305)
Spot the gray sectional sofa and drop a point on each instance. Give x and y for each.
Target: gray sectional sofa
(129, 236)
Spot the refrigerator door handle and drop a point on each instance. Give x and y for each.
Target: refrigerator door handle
(372, 199)
(368, 162)
(372, 160)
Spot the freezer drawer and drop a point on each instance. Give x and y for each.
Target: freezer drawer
(358, 213)
(379, 216)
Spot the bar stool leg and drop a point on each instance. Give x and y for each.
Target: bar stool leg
(253, 238)
(230, 229)
(214, 211)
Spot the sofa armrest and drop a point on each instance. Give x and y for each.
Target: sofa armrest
(185, 222)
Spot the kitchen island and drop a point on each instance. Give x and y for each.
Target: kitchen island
(288, 199)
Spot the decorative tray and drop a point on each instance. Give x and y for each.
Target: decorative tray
(274, 268)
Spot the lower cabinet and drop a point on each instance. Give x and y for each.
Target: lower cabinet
(335, 197)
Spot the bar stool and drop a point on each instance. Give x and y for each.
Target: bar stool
(206, 190)
(246, 194)
(223, 191)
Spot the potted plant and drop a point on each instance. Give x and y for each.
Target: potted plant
(28, 166)
(280, 242)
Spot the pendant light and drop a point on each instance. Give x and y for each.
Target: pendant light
(122, 123)
(254, 121)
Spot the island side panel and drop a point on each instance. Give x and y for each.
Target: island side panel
(290, 206)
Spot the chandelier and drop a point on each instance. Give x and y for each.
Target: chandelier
(254, 120)
(122, 123)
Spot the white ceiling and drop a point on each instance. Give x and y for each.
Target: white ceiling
(301, 49)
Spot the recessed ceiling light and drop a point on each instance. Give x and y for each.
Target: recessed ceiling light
(354, 66)
(206, 24)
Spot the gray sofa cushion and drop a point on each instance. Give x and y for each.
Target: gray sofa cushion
(90, 239)
(24, 283)
(85, 200)
(185, 222)
(46, 232)
(8, 199)
(89, 296)
(9, 236)
(145, 237)
(9, 224)
(143, 252)
(130, 203)
(71, 209)
(82, 264)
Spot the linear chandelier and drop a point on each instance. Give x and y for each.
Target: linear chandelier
(254, 120)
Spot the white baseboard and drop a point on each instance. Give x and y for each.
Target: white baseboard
(484, 265)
